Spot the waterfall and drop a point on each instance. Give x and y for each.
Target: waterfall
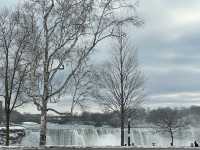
(101, 136)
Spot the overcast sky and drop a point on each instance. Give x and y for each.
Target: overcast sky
(169, 50)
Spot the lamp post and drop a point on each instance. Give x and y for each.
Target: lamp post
(129, 131)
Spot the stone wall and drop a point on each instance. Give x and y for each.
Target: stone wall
(94, 148)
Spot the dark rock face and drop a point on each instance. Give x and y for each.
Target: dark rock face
(16, 135)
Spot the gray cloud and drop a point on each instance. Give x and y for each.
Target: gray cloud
(181, 99)
(169, 49)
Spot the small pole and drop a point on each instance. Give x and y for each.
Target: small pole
(129, 129)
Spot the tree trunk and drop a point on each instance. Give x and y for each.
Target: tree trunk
(122, 125)
(43, 122)
(72, 108)
(129, 131)
(122, 94)
(172, 138)
(43, 127)
(7, 128)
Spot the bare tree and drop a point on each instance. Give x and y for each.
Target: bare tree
(68, 31)
(80, 88)
(120, 81)
(14, 36)
(167, 120)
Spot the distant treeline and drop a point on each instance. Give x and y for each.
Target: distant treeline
(138, 116)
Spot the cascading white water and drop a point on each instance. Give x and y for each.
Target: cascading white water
(102, 136)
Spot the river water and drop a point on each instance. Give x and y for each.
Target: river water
(84, 135)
